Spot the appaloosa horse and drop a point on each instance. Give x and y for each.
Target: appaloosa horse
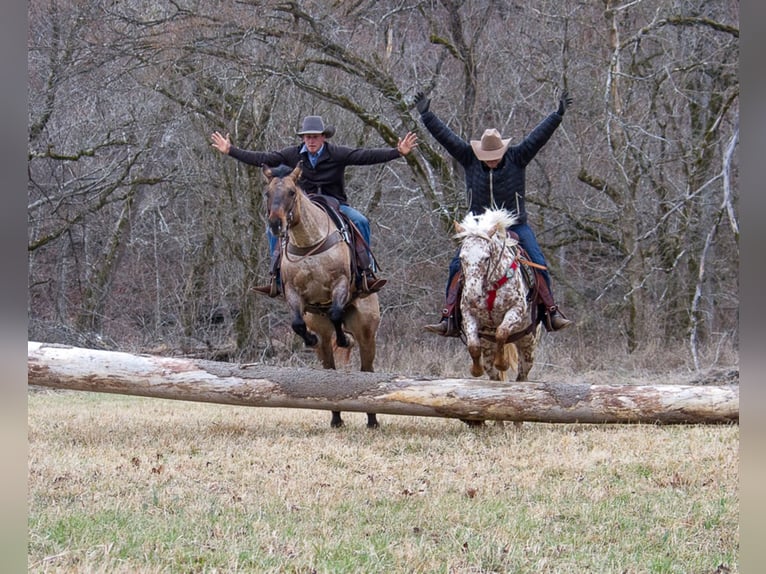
(317, 278)
(500, 327)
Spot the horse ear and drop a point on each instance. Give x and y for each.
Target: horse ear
(267, 173)
(458, 228)
(296, 174)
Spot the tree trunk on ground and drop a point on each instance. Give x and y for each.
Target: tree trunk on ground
(63, 367)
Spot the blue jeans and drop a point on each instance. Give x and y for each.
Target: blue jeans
(356, 217)
(527, 240)
(361, 222)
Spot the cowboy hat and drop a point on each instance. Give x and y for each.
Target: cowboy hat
(315, 125)
(491, 147)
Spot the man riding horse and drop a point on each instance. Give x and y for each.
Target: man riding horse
(323, 167)
(494, 178)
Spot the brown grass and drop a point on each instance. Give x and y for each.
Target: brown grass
(126, 484)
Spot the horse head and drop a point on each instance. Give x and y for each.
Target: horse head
(493, 303)
(486, 248)
(282, 194)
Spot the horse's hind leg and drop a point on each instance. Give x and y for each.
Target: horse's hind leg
(366, 343)
(526, 346)
(327, 357)
(364, 326)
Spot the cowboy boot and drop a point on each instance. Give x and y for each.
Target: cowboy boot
(448, 326)
(555, 319)
(370, 283)
(273, 289)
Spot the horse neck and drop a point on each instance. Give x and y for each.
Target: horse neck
(313, 223)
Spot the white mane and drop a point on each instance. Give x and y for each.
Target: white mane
(485, 224)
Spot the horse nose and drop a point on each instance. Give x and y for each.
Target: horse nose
(275, 224)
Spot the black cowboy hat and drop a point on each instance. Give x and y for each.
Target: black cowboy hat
(315, 125)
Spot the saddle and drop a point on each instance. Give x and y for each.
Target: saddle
(363, 258)
(538, 292)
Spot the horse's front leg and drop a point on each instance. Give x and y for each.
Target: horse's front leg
(471, 330)
(298, 323)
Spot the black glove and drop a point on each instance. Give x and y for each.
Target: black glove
(564, 102)
(422, 102)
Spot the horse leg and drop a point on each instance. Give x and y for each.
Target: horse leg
(511, 321)
(471, 329)
(506, 358)
(364, 326)
(526, 346)
(298, 324)
(477, 369)
(495, 373)
(336, 317)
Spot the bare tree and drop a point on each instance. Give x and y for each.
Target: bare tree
(139, 232)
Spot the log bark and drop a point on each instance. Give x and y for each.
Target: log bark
(73, 368)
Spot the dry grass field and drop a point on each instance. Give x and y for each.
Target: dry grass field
(124, 484)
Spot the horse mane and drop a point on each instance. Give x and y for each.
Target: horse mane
(485, 224)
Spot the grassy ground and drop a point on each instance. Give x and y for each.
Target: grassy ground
(128, 484)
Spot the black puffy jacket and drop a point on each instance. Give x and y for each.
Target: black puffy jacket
(506, 183)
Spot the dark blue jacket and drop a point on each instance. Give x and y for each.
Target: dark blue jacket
(328, 176)
(506, 184)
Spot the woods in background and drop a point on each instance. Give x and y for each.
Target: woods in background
(140, 235)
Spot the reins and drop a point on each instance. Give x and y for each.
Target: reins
(329, 240)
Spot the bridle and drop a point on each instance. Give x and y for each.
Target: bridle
(496, 260)
(330, 238)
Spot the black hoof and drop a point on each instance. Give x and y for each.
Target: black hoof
(473, 423)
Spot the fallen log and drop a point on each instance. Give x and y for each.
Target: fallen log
(73, 368)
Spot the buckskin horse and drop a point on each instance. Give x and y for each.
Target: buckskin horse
(498, 319)
(317, 278)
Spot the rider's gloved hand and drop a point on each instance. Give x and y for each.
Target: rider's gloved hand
(564, 102)
(422, 103)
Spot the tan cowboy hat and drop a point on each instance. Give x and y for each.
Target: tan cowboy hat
(491, 147)
(315, 125)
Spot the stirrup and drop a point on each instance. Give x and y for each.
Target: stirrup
(272, 289)
(371, 284)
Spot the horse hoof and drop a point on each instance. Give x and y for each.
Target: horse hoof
(372, 421)
(473, 423)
